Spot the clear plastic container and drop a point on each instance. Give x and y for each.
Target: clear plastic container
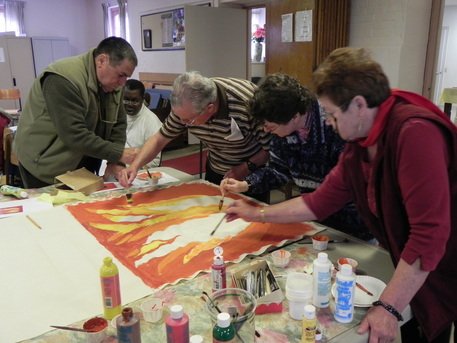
(299, 292)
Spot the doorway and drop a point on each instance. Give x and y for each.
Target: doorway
(257, 38)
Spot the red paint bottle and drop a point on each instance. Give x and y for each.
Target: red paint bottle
(177, 325)
(218, 272)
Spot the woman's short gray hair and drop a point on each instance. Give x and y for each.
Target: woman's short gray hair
(192, 86)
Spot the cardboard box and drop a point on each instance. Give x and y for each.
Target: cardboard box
(258, 279)
(81, 180)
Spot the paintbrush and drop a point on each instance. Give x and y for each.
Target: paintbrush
(147, 171)
(69, 328)
(221, 202)
(129, 197)
(364, 289)
(218, 224)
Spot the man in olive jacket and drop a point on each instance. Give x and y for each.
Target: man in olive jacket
(74, 116)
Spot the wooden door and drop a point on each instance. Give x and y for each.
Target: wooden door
(299, 59)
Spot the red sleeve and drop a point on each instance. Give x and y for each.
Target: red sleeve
(331, 196)
(423, 160)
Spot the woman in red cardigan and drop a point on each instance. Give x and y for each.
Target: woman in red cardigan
(400, 169)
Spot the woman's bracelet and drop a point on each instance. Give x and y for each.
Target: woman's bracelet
(389, 308)
(262, 214)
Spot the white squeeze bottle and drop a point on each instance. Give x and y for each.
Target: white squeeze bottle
(321, 280)
(344, 297)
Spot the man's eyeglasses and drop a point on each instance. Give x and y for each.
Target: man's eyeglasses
(194, 121)
(131, 102)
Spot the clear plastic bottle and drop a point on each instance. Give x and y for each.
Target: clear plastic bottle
(218, 270)
(111, 293)
(309, 325)
(18, 192)
(344, 297)
(321, 280)
(177, 325)
(128, 327)
(223, 331)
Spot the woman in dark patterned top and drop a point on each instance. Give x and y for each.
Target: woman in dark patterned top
(303, 149)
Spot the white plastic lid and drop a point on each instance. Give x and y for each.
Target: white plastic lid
(176, 312)
(23, 194)
(218, 260)
(310, 312)
(346, 270)
(318, 334)
(196, 339)
(322, 257)
(223, 320)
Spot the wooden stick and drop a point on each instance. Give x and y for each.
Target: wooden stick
(33, 221)
(68, 328)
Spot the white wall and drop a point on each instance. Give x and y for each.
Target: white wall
(450, 20)
(61, 18)
(396, 32)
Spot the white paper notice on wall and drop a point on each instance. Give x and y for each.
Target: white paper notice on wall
(286, 27)
(304, 26)
(2, 55)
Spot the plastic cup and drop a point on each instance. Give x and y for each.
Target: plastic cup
(347, 260)
(280, 258)
(98, 336)
(299, 292)
(152, 310)
(320, 242)
(241, 305)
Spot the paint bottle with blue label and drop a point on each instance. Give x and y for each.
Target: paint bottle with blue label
(321, 280)
(344, 294)
(128, 327)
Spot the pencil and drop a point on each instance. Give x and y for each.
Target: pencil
(33, 221)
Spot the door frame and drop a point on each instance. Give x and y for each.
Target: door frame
(433, 49)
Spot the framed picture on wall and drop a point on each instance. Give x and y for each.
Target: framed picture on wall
(164, 30)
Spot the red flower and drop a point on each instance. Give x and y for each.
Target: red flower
(259, 35)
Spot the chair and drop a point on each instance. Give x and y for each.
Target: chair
(12, 94)
(11, 162)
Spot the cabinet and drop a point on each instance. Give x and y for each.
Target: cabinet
(16, 66)
(47, 50)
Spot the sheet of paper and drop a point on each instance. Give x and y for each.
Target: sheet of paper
(304, 26)
(16, 207)
(286, 27)
(51, 276)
